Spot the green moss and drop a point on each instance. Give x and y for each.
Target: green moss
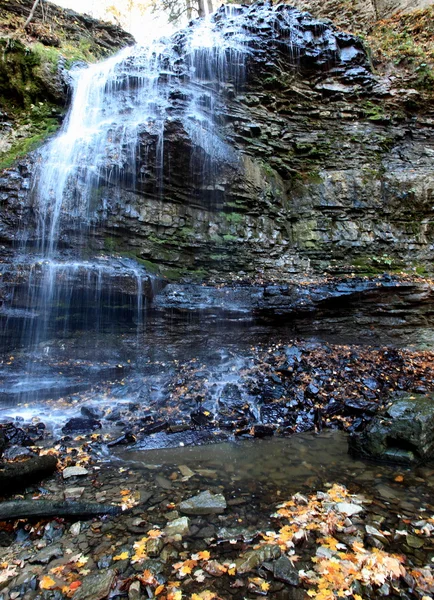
(374, 111)
(230, 238)
(234, 217)
(110, 244)
(23, 147)
(172, 273)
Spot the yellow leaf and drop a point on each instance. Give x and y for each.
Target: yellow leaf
(205, 555)
(265, 586)
(121, 556)
(47, 583)
(125, 492)
(155, 533)
(158, 590)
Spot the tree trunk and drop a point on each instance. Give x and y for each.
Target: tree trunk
(210, 7)
(18, 474)
(189, 10)
(21, 509)
(201, 8)
(32, 12)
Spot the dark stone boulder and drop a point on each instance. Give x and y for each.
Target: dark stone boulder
(78, 424)
(403, 433)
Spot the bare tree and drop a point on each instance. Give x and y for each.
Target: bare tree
(32, 12)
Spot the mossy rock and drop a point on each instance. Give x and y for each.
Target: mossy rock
(403, 433)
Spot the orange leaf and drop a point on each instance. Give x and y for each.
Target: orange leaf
(47, 583)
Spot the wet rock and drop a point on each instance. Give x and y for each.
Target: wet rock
(348, 509)
(16, 436)
(3, 442)
(284, 570)
(163, 482)
(73, 493)
(201, 417)
(403, 433)
(186, 472)
(90, 412)
(255, 558)
(96, 587)
(414, 542)
(46, 555)
(374, 532)
(79, 424)
(126, 438)
(15, 452)
(154, 547)
(74, 472)
(261, 431)
(179, 526)
(134, 591)
(204, 503)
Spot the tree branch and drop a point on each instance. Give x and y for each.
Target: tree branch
(32, 12)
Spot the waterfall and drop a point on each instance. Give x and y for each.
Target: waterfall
(114, 139)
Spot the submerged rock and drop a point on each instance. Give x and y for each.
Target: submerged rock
(204, 503)
(96, 587)
(403, 433)
(179, 526)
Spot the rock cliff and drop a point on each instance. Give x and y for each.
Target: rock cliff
(333, 170)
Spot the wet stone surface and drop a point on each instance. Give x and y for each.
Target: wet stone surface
(232, 554)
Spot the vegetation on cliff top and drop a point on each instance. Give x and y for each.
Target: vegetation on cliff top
(33, 61)
(404, 43)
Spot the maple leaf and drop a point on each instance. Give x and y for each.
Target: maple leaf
(121, 556)
(147, 577)
(47, 583)
(8, 572)
(155, 533)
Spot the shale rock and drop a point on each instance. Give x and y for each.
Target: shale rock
(96, 587)
(403, 433)
(204, 503)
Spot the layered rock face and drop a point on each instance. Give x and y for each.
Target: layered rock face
(315, 164)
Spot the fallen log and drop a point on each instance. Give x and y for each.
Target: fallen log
(20, 474)
(20, 509)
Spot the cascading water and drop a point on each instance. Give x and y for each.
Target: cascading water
(115, 139)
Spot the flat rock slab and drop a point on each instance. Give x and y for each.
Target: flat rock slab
(403, 433)
(74, 472)
(96, 587)
(204, 503)
(46, 555)
(348, 509)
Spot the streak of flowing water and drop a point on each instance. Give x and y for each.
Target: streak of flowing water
(118, 103)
